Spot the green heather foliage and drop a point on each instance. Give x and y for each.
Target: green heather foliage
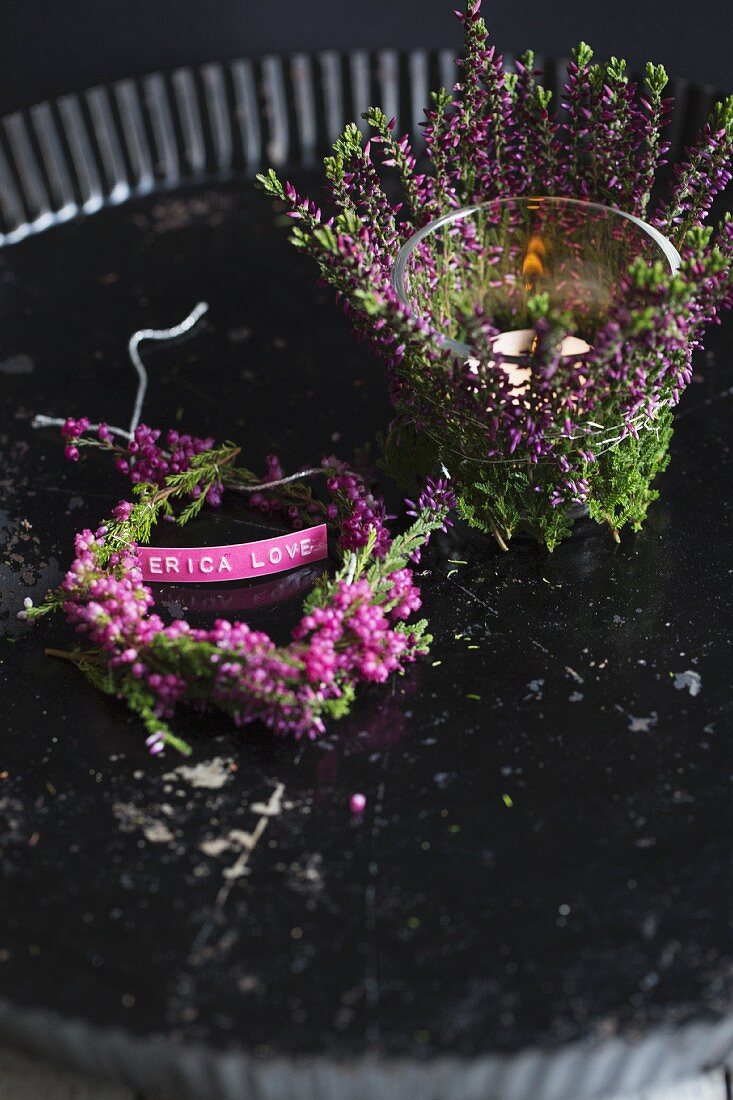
(594, 433)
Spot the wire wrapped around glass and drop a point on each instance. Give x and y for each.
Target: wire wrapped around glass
(530, 297)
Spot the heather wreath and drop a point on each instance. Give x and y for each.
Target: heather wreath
(593, 432)
(357, 626)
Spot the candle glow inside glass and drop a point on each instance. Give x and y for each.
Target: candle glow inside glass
(485, 264)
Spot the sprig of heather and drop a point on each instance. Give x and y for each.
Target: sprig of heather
(397, 153)
(705, 173)
(351, 261)
(708, 256)
(348, 250)
(467, 153)
(525, 109)
(651, 117)
(577, 99)
(143, 458)
(503, 169)
(356, 173)
(548, 145)
(441, 140)
(611, 136)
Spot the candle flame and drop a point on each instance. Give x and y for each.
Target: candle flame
(533, 267)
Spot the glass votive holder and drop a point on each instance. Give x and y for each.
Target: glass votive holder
(488, 262)
(518, 291)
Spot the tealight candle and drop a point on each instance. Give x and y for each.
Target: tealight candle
(516, 346)
(503, 252)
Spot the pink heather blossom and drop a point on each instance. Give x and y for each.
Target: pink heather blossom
(357, 637)
(143, 459)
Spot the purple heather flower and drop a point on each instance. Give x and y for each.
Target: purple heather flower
(156, 742)
(122, 511)
(144, 460)
(496, 135)
(437, 496)
(73, 429)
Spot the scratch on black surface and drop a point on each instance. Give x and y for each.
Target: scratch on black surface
(475, 598)
(488, 607)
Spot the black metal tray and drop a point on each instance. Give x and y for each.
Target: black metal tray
(537, 901)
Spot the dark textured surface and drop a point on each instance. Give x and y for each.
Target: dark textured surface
(546, 849)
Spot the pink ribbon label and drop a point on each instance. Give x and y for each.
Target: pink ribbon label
(240, 562)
